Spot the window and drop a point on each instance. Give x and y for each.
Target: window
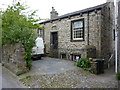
(77, 57)
(77, 30)
(63, 56)
(40, 33)
(114, 34)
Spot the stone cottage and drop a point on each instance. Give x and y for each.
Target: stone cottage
(85, 33)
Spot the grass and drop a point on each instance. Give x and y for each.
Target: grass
(29, 76)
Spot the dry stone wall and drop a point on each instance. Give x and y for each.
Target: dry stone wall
(12, 58)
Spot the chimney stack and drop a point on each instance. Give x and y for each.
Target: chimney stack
(53, 13)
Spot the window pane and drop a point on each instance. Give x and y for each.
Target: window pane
(78, 24)
(78, 36)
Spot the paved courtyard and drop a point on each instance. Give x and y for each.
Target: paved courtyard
(49, 66)
(57, 73)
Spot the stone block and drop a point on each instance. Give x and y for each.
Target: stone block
(13, 58)
(94, 67)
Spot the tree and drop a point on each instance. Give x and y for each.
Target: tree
(19, 28)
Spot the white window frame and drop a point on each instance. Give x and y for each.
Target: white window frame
(81, 31)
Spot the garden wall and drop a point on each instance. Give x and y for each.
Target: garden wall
(12, 58)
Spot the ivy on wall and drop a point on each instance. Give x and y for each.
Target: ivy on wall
(19, 28)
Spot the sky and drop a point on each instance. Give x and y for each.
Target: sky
(61, 6)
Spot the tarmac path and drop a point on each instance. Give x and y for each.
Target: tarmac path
(9, 80)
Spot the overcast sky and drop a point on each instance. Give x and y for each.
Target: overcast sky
(61, 6)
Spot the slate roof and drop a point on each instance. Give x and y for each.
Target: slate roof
(98, 7)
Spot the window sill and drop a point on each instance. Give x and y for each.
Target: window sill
(77, 40)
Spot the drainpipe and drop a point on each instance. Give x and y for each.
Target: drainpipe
(116, 35)
(88, 29)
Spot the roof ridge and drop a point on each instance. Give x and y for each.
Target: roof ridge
(77, 12)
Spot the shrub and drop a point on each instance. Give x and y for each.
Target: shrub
(118, 75)
(83, 63)
(19, 28)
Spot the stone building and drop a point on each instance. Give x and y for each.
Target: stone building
(85, 33)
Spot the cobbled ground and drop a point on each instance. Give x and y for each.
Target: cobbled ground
(77, 78)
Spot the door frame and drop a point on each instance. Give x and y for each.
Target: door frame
(53, 51)
(51, 39)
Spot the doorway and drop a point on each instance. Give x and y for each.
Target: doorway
(54, 44)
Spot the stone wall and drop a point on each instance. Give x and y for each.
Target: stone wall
(12, 58)
(63, 28)
(94, 31)
(107, 38)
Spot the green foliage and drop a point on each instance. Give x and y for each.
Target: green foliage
(118, 75)
(84, 63)
(19, 28)
(29, 76)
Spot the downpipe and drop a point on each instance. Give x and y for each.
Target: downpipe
(116, 51)
(116, 35)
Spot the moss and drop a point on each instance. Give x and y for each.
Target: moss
(26, 84)
(29, 76)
